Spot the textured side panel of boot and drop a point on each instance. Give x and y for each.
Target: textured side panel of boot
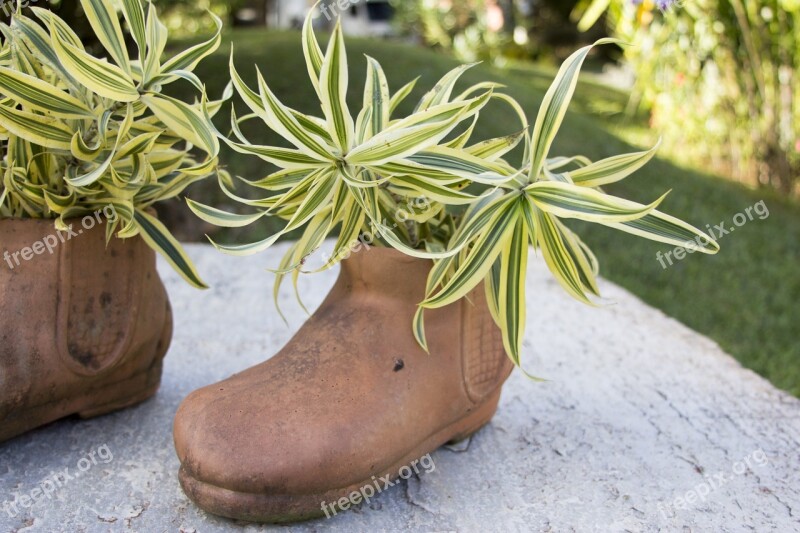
(98, 307)
(486, 365)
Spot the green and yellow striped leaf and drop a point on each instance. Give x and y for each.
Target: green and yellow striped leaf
(103, 18)
(443, 89)
(283, 157)
(665, 228)
(333, 81)
(462, 140)
(611, 170)
(464, 165)
(220, 218)
(485, 250)
(244, 250)
(188, 60)
(406, 168)
(282, 121)
(134, 15)
(348, 235)
(400, 96)
(419, 329)
(58, 204)
(554, 107)
(41, 96)
(281, 180)
(143, 143)
(448, 112)
(494, 149)
(479, 216)
(101, 77)
(92, 176)
(312, 51)
(398, 144)
(158, 237)
(398, 244)
(156, 42)
(40, 44)
(558, 163)
(188, 122)
(556, 254)
(318, 228)
(570, 201)
(417, 132)
(313, 124)
(417, 186)
(318, 198)
(97, 173)
(511, 303)
(55, 23)
(492, 290)
(376, 98)
(584, 260)
(48, 132)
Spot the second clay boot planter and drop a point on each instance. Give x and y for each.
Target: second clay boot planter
(84, 326)
(350, 397)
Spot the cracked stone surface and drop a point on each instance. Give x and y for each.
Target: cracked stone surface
(643, 425)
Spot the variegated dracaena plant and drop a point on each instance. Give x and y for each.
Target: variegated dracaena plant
(482, 213)
(79, 133)
(358, 174)
(495, 233)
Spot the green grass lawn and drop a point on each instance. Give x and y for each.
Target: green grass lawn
(746, 298)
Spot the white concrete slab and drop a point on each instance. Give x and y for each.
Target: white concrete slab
(643, 426)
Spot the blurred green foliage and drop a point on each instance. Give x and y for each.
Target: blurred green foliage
(187, 17)
(721, 79)
(463, 27)
(491, 30)
(183, 17)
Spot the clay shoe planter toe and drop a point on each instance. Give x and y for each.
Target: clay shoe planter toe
(83, 330)
(352, 398)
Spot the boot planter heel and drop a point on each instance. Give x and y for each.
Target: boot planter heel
(88, 329)
(350, 397)
(479, 419)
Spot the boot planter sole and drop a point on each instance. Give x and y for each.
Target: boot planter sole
(86, 325)
(287, 508)
(92, 404)
(350, 399)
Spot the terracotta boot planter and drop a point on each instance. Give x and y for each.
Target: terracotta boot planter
(350, 397)
(83, 330)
